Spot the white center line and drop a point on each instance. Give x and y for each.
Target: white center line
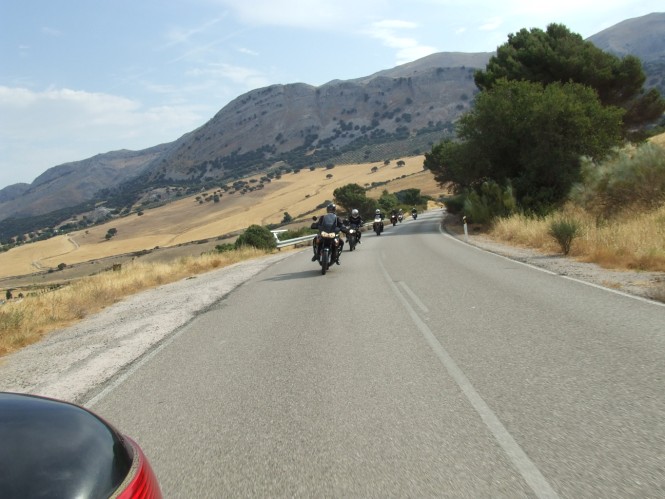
(520, 460)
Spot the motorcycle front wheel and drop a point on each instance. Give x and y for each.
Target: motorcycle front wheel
(325, 260)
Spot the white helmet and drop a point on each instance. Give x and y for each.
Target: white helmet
(354, 212)
(378, 212)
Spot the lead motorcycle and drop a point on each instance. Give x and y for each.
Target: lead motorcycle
(328, 245)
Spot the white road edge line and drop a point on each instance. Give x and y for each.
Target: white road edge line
(129, 372)
(520, 460)
(414, 297)
(586, 283)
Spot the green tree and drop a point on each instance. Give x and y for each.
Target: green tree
(257, 236)
(409, 196)
(353, 196)
(558, 55)
(529, 136)
(287, 218)
(388, 201)
(349, 196)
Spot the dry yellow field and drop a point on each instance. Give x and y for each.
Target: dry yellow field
(186, 220)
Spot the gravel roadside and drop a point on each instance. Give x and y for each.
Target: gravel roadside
(647, 285)
(74, 363)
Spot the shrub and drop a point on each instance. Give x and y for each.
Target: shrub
(490, 202)
(258, 237)
(292, 234)
(223, 248)
(631, 178)
(564, 230)
(454, 204)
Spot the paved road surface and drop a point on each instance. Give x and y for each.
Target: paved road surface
(421, 367)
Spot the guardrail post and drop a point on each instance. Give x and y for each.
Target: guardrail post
(466, 230)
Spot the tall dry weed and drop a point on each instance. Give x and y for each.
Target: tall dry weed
(632, 240)
(27, 320)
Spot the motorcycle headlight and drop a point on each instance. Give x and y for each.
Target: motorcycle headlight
(328, 235)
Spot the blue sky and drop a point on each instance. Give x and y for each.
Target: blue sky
(83, 77)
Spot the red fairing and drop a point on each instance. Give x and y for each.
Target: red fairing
(143, 482)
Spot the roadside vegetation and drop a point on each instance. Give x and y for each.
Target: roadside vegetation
(553, 153)
(25, 321)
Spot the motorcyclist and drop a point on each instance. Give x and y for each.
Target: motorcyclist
(414, 212)
(329, 222)
(378, 215)
(356, 219)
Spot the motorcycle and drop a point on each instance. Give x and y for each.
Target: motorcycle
(352, 235)
(393, 219)
(377, 226)
(400, 217)
(414, 214)
(328, 247)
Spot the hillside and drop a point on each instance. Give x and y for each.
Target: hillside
(191, 218)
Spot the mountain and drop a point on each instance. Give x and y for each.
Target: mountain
(396, 112)
(643, 37)
(300, 125)
(391, 113)
(640, 36)
(73, 183)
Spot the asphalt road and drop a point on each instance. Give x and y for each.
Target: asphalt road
(420, 367)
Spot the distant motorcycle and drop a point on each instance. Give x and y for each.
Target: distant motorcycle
(393, 219)
(400, 217)
(377, 226)
(352, 235)
(414, 214)
(328, 246)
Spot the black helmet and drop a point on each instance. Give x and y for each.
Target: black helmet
(331, 208)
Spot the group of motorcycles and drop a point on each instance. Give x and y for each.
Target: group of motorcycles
(395, 218)
(330, 244)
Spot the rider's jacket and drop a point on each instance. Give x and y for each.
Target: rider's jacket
(356, 220)
(329, 223)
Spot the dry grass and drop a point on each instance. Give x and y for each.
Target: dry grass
(633, 240)
(25, 321)
(187, 220)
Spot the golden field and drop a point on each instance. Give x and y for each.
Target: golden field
(186, 220)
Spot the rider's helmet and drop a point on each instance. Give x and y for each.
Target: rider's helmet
(378, 212)
(331, 208)
(354, 213)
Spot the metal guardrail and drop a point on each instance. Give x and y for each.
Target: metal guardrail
(296, 240)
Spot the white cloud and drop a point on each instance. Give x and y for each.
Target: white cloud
(51, 31)
(491, 24)
(315, 14)
(43, 129)
(246, 77)
(408, 48)
(244, 50)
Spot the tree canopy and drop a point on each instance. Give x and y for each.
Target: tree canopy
(529, 136)
(353, 196)
(558, 55)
